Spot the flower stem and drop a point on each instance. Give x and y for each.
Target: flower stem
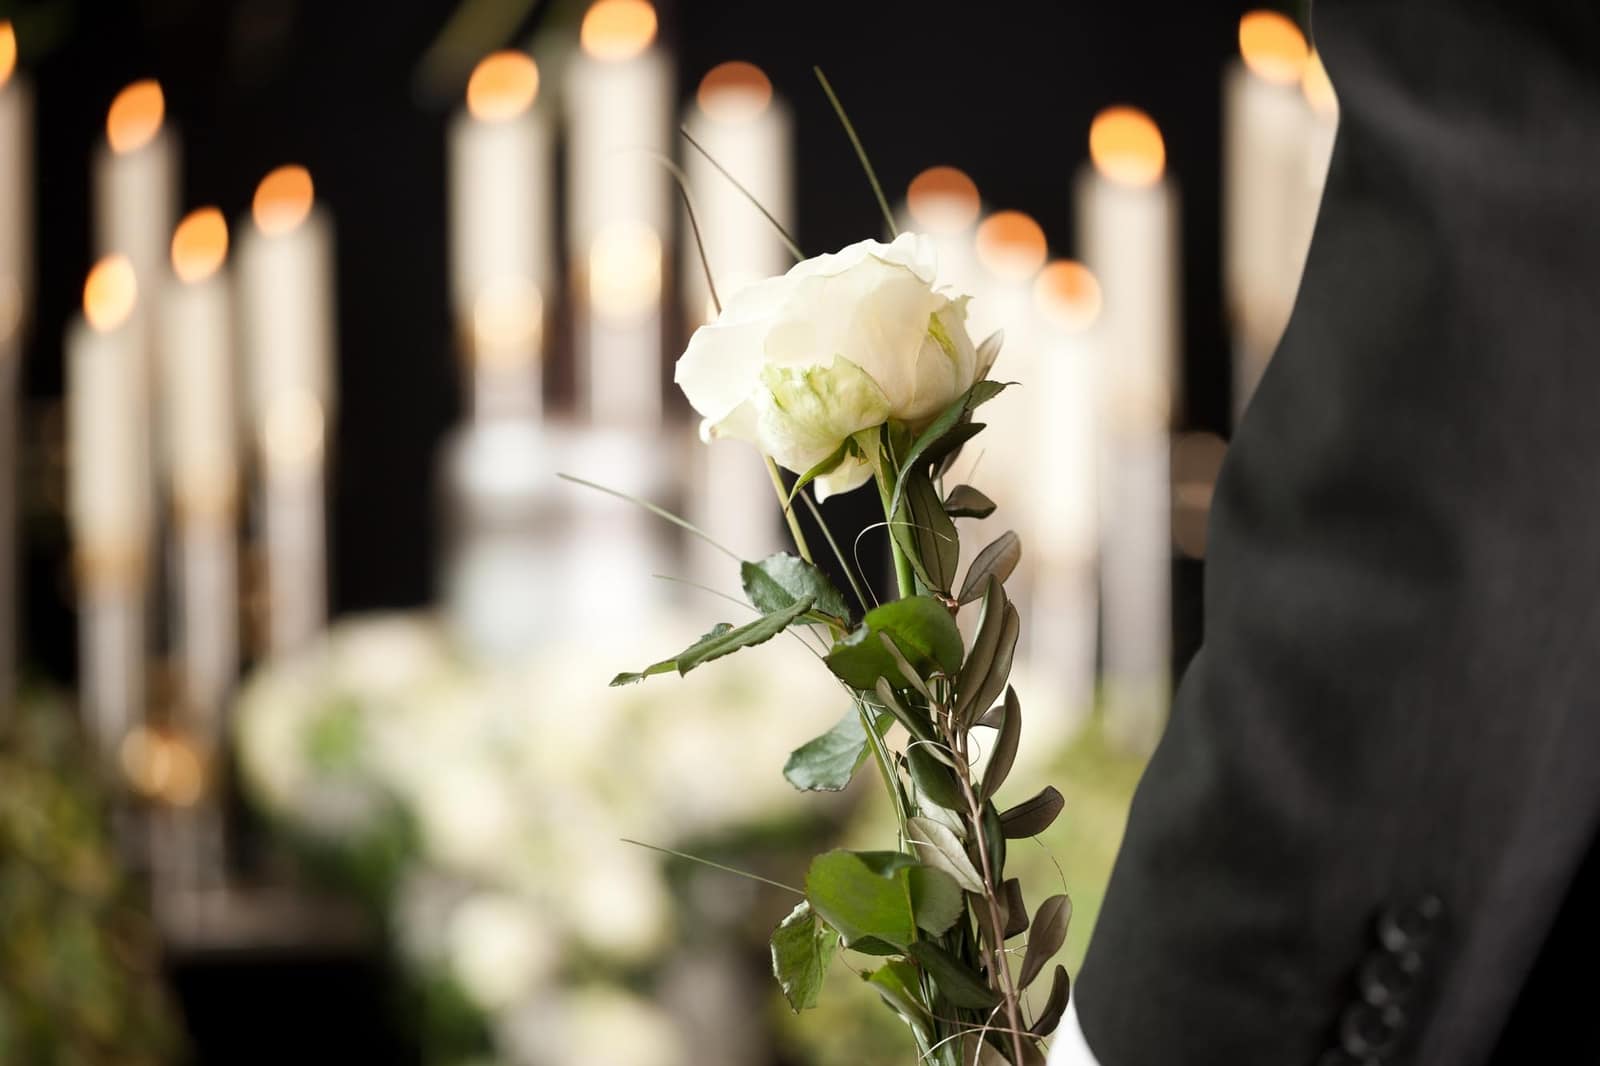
(904, 577)
(788, 512)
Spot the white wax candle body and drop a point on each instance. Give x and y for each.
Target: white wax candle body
(1129, 239)
(741, 246)
(295, 538)
(136, 205)
(198, 394)
(732, 500)
(16, 203)
(286, 302)
(1266, 199)
(501, 248)
(208, 619)
(619, 117)
(108, 441)
(111, 653)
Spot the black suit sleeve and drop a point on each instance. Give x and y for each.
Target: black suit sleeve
(1383, 767)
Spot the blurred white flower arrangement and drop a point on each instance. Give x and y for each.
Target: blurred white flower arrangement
(491, 807)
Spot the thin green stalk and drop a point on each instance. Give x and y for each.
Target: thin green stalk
(788, 512)
(905, 579)
(861, 152)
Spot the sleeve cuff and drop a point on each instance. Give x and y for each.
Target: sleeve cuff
(1069, 1047)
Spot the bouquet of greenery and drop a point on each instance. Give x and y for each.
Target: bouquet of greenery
(854, 367)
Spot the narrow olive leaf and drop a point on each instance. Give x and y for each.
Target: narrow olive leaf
(801, 949)
(778, 581)
(935, 432)
(907, 671)
(937, 846)
(915, 721)
(943, 455)
(964, 501)
(991, 623)
(984, 391)
(667, 666)
(932, 777)
(1032, 816)
(1049, 933)
(992, 936)
(1055, 1006)
(850, 891)
(956, 982)
(1005, 746)
(999, 673)
(926, 534)
(894, 981)
(827, 763)
(994, 717)
(936, 900)
(930, 810)
(994, 838)
(1016, 909)
(921, 626)
(999, 559)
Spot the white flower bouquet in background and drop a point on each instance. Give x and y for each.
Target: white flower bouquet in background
(855, 367)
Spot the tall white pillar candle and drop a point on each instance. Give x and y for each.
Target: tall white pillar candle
(16, 284)
(286, 304)
(501, 241)
(619, 90)
(1127, 212)
(109, 500)
(196, 372)
(1266, 124)
(136, 183)
(1063, 502)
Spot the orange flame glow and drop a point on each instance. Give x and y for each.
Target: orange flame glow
(1273, 47)
(1126, 146)
(618, 29)
(734, 92)
(199, 244)
(135, 116)
(502, 86)
(283, 200)
(110, 293)
(1011, 245)
(942, 200)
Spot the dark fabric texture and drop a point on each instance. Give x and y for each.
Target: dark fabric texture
(1397, 692)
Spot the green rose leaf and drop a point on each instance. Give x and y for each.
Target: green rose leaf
(964, 501)
(920, 626)
(825, 466)
(881, 896)
(782, 580)
(723, 640)
(802, 947)
(895, 982)
(933, 778)
(827, 763)
(949, 420)
(956, 982)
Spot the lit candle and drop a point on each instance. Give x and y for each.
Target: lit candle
(500, 232)
(198, 405)
(618, 93)
(738, 121)
(136, 182)
(1324, 105)
(1127, 220)
(109, 499)
(16, 276)
(1010, 249)
(943, 203)
(1265, 125)
(286, 303)
(1063, 497)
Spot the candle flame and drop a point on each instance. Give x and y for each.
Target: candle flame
(1272, 46)
(1068, 295)
(1011, 246)
(199, 245)
(110, 293)
(162, 766)
(8, 50)
(734, 92)
(615, 30)
(1126, 146)
(292, 431)
(283, 200)
(1318, 87)
(135, 116)
(942, 200)
(502, 86)
(625, 270)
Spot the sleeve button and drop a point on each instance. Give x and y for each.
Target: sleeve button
(1389, 977)
(1370, 1031)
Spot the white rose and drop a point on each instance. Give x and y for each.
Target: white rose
(799, 364)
